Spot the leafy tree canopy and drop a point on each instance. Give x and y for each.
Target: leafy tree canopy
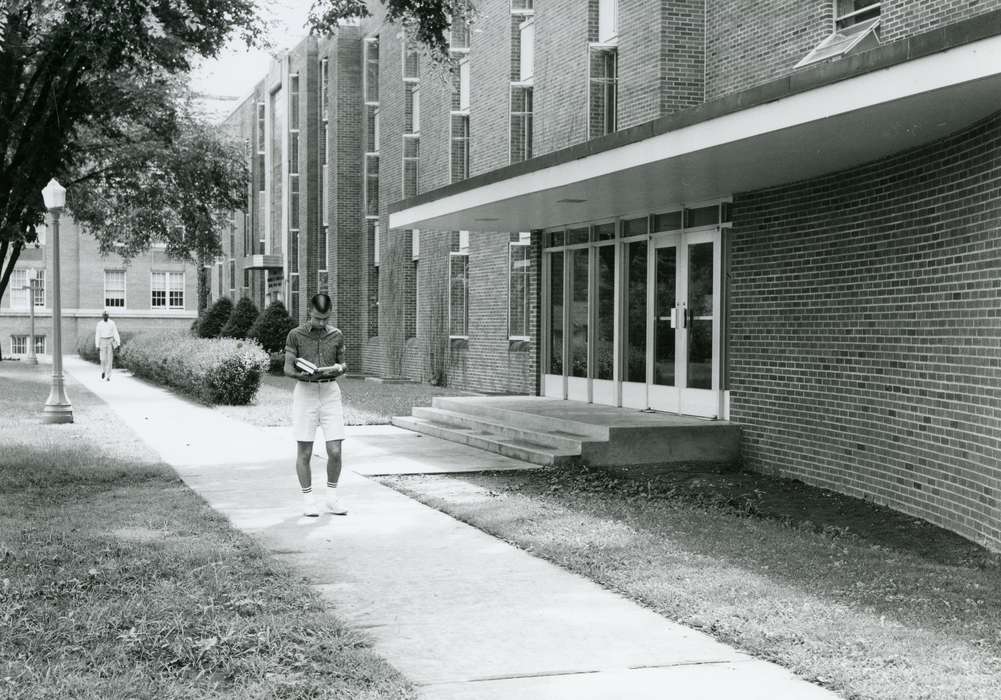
(83, 82)
(426, 21)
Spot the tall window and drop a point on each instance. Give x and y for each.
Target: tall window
(293, 295)
(373, 277)
(40, 345)
(167, 290)
(411, 159)
(458, 298)
(604, 85)
(412, 294)
(521, 123)
(608, 20)
(114, 288)
(459, 34)
(526, 62)
(293, 177)
(460, 147)
(324, 79)
(519, 270)
(411, 62)
(19, 289)
(372, 70)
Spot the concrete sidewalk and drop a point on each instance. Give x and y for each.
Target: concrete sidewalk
(461, 613)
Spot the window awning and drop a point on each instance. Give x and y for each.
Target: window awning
(821, 120)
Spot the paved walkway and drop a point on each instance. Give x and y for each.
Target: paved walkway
(460, 613)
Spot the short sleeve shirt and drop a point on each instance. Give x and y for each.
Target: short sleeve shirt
(323, 347)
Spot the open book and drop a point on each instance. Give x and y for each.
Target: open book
(309, 368)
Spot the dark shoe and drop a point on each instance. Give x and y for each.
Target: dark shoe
(102, 375)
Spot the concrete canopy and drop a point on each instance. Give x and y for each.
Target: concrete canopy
(820, 121)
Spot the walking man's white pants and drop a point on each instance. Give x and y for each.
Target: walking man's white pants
(107, 350)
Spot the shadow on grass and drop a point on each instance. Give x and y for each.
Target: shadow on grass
(58, 471)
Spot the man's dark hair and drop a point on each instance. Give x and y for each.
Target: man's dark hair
(321, 303)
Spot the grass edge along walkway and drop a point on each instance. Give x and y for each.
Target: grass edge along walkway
(117, 581)
(865, 620)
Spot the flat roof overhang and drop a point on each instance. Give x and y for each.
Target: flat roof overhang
(262, 262)
(818, 121)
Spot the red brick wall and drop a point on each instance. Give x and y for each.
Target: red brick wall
(749, 42)
(561, 39)
(864, 327)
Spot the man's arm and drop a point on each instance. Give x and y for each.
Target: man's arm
(118, 338)
(97, 341)
(291, 353)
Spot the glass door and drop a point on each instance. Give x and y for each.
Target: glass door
(553, 383)
(578, 323)
(699, 344)
(634, 323)
(665, 288)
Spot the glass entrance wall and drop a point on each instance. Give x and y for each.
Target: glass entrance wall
(630, 315)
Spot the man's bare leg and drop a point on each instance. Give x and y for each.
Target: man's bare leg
(304, 451)
(333, 475)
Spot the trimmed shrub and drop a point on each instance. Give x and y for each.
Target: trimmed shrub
(85, 349)
(271, 328)
(210, 370)
(215, 318)
(244, 314)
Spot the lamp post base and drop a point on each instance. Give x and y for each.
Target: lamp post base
(56, 413)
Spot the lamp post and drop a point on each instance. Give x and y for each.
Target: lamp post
(32, 358)
(58, 408)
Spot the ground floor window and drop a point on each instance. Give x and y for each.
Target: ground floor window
(519, 272)
(39, 344)
(114, 289)
(18, 344)
(458, 300)
(167, 290)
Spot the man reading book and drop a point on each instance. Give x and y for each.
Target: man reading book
(314, 357)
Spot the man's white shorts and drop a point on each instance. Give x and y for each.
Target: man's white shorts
(317, 405)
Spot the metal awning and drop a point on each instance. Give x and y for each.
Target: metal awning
(822, 120)
(262, 262)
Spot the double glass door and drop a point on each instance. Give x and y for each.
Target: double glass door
(636, 323)
(671, 323)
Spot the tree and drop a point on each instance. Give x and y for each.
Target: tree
(426, 21)
(272, 327)
(178, 193)
(79, 78)
(215, 318)
(243, 317)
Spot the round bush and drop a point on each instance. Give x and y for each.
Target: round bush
(215, 318)
(271, 327)
(244, 314)
(212, 370)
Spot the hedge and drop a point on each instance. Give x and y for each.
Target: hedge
(85, 348)
(211, 370)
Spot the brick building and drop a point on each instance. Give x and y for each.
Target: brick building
(150, 292)
(783, 214)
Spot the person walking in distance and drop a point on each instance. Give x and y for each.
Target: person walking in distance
(107, 340)
(314, 357)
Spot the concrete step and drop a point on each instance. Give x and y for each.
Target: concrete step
(521, 419)
(524, 450)
(557, 439)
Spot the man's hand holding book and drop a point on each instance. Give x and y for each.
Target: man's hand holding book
(314, 372)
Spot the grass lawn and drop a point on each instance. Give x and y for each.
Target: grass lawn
(117, 581)
(865, 601)
(365, 403)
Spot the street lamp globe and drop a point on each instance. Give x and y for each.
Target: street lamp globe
(54, 195)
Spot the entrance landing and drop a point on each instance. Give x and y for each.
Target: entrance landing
(551, 431)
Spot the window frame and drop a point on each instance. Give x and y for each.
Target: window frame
(125, 297)
(169, 275)
(525, 244)
(21, 339)
(465, 256)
